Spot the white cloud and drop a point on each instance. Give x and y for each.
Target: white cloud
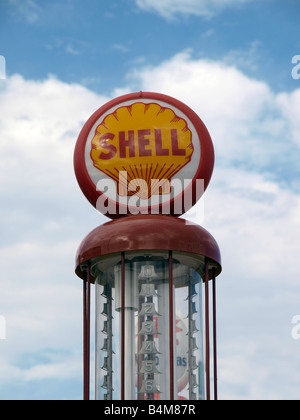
(40, 232)
(121, 48)
(244, 58)
(25, 9)
(247, 121)
(40, 122)
(290, 105)
(251, 213)
(68, 369)
(170, 8)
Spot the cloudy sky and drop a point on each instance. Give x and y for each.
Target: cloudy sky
(234, 63)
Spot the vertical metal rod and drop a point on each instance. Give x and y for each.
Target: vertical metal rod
(190, 336)
(140, 357)
(85, 381)
(163, 328)
(110, 345)
(86, 334)
(171, 326)
(207, 331)
(88, 321)
(122, 326)
(215, 333)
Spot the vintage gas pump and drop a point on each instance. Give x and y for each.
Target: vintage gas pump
(144, 159)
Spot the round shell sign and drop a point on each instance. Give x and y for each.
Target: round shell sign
(143, 153)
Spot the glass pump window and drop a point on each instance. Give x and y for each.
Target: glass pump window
(144, 344)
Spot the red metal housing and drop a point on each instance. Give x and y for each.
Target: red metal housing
(151, 232)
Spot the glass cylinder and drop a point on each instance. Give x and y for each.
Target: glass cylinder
(140, 354)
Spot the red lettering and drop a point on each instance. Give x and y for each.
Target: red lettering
(158, 144)
(143, 142)
(111, 149)
(127, 141)
(123, 143)
(175, 148)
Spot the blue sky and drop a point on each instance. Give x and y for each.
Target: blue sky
(97, 43)
(231, 61)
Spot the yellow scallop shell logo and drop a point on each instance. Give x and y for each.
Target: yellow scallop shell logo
(142, 146)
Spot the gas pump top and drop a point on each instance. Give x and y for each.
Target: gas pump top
(147, 233)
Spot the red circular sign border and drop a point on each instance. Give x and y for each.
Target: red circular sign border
(204, 170)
